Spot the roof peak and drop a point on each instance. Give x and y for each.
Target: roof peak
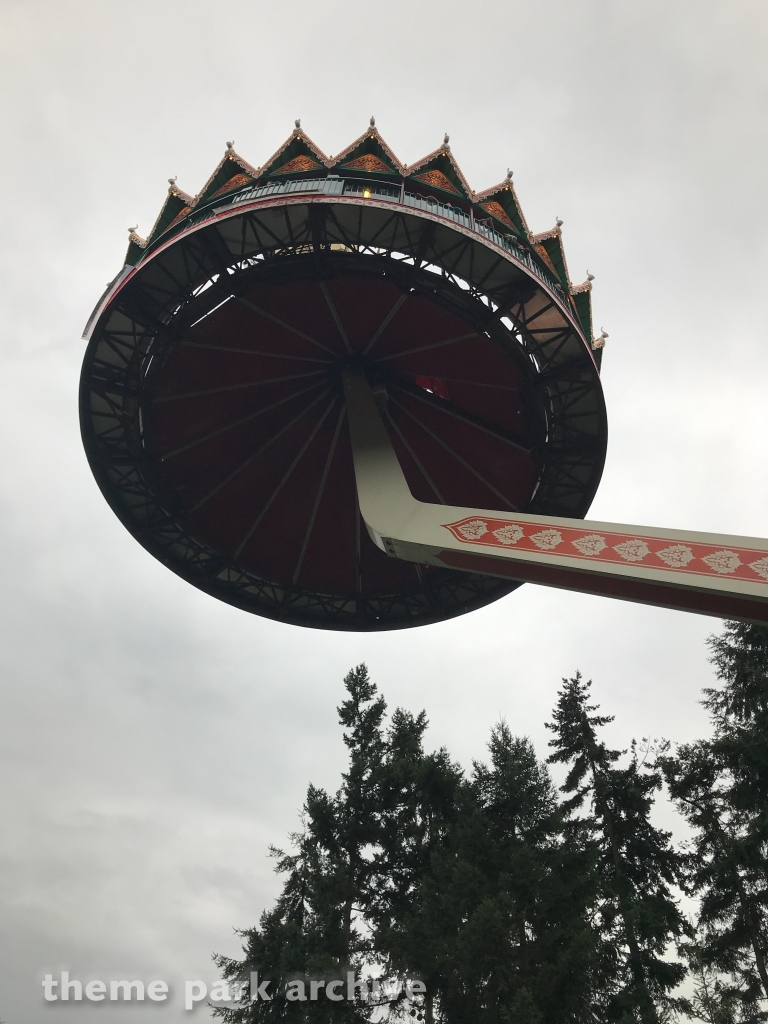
(367, 154)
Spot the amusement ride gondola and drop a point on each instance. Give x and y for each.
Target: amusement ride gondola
(351, 394)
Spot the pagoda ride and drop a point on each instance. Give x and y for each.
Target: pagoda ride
(347, 393)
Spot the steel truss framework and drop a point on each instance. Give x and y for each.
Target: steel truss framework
(181, 281)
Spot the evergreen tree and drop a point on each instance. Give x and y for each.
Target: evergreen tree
(712, 1002)
(349, 827)
(314, 927)
(507, 904)
(721, 787)
(542, 882)
(638, 867)
(422, 803)
(496, 918)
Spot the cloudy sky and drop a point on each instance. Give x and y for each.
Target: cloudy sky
(153, 741)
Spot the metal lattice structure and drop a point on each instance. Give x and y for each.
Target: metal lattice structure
(212, 407)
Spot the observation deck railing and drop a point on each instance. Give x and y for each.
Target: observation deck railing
(336, 186)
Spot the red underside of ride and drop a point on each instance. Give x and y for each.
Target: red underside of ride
(246, 424)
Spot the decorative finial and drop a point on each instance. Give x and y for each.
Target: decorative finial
(558, 223)
(172, 181)
(373, 122)
(131, 230)
(509, 176)
(446, 140)
(231, 145)
(599, 342)
(297, 124)
(590, 277)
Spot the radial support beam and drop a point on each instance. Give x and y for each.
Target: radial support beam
(712, 574)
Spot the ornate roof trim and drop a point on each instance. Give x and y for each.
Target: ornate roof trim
(541, 250)
(369, 163)
(231, 156)
(188, 200)
(182, 213)
(136, 247)
(489, 193)
(581, 296)
(497, 210)
(229, 164)
(552, 243)
(296, 136)
(443, 153)
(436, 179)
(371, 136)
(175, 202)
(300, 155)
(504, 194)
(298, 165)
(236, 181)
(542, 236)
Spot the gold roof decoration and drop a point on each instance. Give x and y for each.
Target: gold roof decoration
(298, 144)
(174, 190)
(230, 165)
(504, 196)
(497, 210)
(369, 153)
(299, 164)
(439, 169)
(368, 162)
(231, 172)
(177, 204)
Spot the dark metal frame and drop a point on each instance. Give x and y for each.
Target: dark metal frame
(201, 263)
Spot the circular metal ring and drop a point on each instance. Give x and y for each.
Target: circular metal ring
(213, 419)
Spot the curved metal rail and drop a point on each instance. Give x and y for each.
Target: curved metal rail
(367, 189)
(296, 235)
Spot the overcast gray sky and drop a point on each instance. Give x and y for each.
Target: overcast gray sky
(154, 741)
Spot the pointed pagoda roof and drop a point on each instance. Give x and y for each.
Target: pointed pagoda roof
(581, 295)
(297, 155)
(136, 247)
(439, 170)
(177, 205)
(231, 172)
(368, 154)
(549, 245)
(501, 202)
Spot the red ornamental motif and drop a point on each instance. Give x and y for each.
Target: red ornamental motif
(368, 162)
(545, 256)
(618, 548)
(182, 213)
(437, 180)
(497, 210)
(236, 181)
(299, 163)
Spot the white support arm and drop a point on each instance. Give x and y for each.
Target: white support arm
(708, 573)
